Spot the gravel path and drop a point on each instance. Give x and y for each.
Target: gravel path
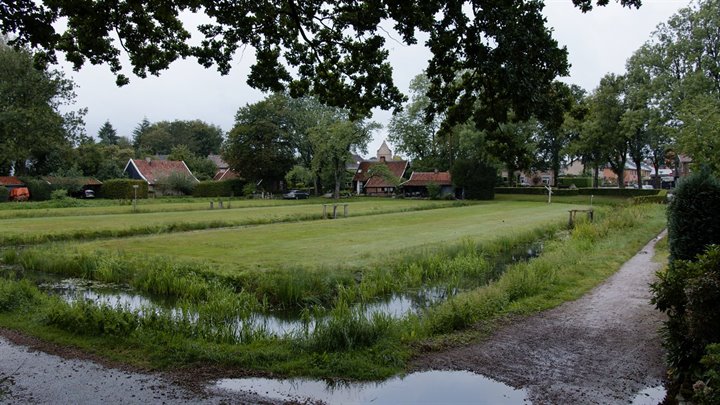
(602, 348)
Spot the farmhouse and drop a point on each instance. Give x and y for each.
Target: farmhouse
(418, 183)
(368, 183)
(153, 171)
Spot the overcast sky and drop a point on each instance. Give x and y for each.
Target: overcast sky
(598, 42)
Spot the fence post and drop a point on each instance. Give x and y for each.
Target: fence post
(220, 204)
(324, 211)
(211, 205)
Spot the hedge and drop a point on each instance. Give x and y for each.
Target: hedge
(535, 191)
(4, 194)
(39, 189)
(122, 189)
(650, 199)
(225, 188)
(579, 182)
(624, 192)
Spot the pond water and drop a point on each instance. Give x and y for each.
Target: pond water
(650, 396)
(429, 387)
(281, 323)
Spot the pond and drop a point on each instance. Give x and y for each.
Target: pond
(396, 306)
(429, 387)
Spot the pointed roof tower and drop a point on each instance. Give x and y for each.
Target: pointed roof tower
(384, 152)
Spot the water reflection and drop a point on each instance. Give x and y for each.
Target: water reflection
(430, 387)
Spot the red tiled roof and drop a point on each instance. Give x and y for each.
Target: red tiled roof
(425, 178)
(397, 168)
(154, 170)
(10, 181)
(86, 181)
(226, 174)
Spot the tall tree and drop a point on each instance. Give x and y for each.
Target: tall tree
(139, 131)
(259, 146)
(35, 137)
(107, 134)
(334, 50)
(553, 139)
(159, 138)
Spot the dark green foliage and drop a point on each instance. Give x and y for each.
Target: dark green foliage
(175, 184)
(433, 191)
(4, 194)
(708, 391)
(85, 318)
(689, 292)
(694, 216)
(225, 188)
(534, 191)
(579, 182)
(39, 189)
(475, 177)
(122, 189)
(618, 192)
(17, 294)
(349, 328)
(650, 199)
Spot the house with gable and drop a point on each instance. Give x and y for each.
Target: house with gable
(223, 171)
(417, 185)
(364, 182)
(153, 171)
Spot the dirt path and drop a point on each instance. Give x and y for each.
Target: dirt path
(31, 376)
(602, 348)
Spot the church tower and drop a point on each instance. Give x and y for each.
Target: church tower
(384, 153)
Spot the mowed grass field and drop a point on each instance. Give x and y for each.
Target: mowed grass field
(346, 243)
(40, 229)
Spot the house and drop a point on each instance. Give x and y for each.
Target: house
(364, 183)
(418, 183)
(629, 174)
(153, 171)
(223, 169)
(11, 182)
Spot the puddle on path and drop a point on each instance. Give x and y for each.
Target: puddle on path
(650, 396)
(430, 387)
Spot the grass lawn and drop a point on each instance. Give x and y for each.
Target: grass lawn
(351, 242)
(570, 199)
(40, 229)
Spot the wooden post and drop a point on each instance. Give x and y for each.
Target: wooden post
(324, 211)
(228, 204)
(211, 205)
(334, 211)
(220, 204)
(571, 221)
(590, 215)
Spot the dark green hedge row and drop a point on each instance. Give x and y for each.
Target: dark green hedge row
(4, 194)
(225, 188)
(122, 189)
(579, 182)
(650, 199)
(625, 192)
(39, 190)
(618, 192)
(535, 191)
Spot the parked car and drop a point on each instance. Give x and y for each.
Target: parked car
(88, 194)
(296, 195)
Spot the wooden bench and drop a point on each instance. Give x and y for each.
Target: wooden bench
(571, 222)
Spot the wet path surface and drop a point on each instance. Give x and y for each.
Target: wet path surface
(33, 377)
(602, 348)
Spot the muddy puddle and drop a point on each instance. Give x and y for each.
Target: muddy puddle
(650, 396)
(274, 323)
(430, 387)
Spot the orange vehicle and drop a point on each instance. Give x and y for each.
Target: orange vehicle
(19, 194)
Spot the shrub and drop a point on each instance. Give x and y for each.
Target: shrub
(650, 199)
(225, 188)
(176, 184)
(39, 189)
(579, 182)
(476, 178)
(122, 189)
(689, 292)
(433, 191)
(59, 194)
(693, 220)
(617, 192)
(4, 194)
(17, 294)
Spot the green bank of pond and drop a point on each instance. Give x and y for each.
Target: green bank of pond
(347, 342)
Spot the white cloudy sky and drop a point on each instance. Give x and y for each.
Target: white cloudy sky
(598, 42)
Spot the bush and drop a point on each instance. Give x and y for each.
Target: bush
(122, 189)
(689, 292)
(59, 194)
(617, 192)
(650, 199)
(225, 188)
(476, 178)
(4, 194)
(433, 191)
(175, 184)
(39, 189)
(693, 220)
(579, 182)
(535, 191)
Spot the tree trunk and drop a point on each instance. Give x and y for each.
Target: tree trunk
(596, 176)
(337, 186)
(621, 176)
